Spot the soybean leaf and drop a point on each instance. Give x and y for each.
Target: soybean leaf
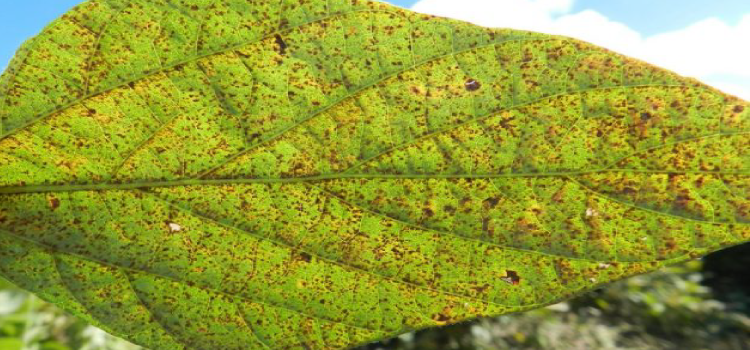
(308, 174)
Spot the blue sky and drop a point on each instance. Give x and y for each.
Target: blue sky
(651, 17)
(654, 16)
(644, 20)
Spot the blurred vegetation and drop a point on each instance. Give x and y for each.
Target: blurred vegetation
(702, 304)
(28, 323)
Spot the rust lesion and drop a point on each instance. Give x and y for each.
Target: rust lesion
(281, 45)
(53, 202)
(511, 277)
(472, 85)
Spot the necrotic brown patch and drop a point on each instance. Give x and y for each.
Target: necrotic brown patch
(280, 42)
(512, 277)
(472, 85)
(54, 203)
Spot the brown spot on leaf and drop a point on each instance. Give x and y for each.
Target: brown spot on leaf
(629, 190)
(559, 195)
(738, 109)
(472, 85)
(54, 203)
(671, 244)
(700, 181)
(281, 44)
(441, 318)
(645, 116)
(485, 224)
(491, 202)
(511, 277)
(481, 289)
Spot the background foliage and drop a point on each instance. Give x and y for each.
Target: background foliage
(701, 304)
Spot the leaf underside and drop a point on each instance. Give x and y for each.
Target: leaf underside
(309, 174)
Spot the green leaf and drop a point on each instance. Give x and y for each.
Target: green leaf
(11, 344)
(309, 174)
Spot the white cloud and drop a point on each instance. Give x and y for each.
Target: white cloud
(710, 50)
(704, 48)
(597, 29)
(519, 14)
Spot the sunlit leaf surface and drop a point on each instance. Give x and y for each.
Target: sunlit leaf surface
(309, 174)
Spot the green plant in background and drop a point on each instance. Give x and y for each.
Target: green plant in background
(322, 174)
(27, 323)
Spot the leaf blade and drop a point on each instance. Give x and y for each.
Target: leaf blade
(320, 175)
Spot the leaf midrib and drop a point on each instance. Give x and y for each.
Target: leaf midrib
(217, 182)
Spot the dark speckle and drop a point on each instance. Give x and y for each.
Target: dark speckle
(738, 109)
(441, 318)
(54, 203)
(511, 277)
(645, 116)
(280, 42)
(472, 85)
(491, 202)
